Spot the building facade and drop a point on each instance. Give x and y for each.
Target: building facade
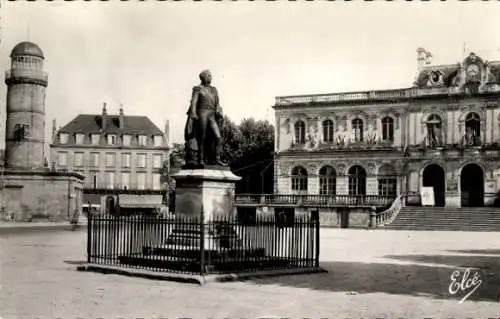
(117, 154)
(443, 132)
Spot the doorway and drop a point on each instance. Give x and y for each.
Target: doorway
(472, 186)
(434, 177)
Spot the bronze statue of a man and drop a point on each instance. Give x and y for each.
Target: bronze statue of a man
(204, 122)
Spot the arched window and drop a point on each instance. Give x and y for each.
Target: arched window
(434, 126)
(328, 131)
(388, 129)
(473, 129)
(357, 180)
(387, 181)
(299, 179)
(327, 180)
(357, 127)
(300, 132)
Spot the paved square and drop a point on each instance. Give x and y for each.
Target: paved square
(383, 274)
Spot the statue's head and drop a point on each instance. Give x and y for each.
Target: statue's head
(205, 77)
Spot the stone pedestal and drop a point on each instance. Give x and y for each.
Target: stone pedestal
(210, 189)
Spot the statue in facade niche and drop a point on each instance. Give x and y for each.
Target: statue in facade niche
(202, 133)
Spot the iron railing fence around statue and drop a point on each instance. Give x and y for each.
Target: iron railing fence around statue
(230, 245)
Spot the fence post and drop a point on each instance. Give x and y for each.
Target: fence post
(89, 236)
(315, 216)
(202, 242)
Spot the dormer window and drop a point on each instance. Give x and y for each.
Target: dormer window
(64, 138)
(158, 140)
(142, 140)
(127, 140)
(79, 138)
(95, 139)
(111, 139)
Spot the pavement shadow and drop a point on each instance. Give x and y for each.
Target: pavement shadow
(478, 251)
(75, 262)
(430, 281)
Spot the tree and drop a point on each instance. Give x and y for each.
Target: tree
(254, 162)
(249, 150)
(177, 156)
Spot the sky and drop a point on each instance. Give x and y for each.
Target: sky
(147, 55)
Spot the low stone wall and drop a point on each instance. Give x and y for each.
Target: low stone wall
(41, 196)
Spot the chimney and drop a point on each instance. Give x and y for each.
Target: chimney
(54, 130)
(104, 117)
(122, 118)
(421, 57)
(167, 132)
(428, 58)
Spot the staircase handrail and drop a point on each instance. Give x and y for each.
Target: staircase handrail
(389, 215)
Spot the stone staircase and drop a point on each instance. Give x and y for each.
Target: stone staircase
(447, 218)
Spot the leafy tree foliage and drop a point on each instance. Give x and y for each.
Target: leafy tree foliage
(254, 162)
(248, 148)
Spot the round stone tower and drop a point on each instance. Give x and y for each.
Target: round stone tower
(25, 128)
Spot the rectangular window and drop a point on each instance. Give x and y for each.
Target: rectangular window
(126, 160)
(110, 179)
(79, 138)
(141, 160)
(95, 139)
(95, 159)
(387, 187)
(78, 159)
(127, 140)
(111, 139)
(63, 159)
(126, 180)
(64, 138)
(141, 180)
(142, 140)
(110, 159)
(156, 181)
(158, 140)
(157, 159)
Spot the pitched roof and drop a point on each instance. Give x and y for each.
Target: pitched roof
(92, 123)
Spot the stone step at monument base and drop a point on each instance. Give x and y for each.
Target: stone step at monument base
(215, 237)
(193, 252)
(194, 266)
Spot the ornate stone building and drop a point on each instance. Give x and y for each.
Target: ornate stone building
(443, 132)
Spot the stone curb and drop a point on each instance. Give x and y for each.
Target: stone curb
(27, 227)
(196, 279)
